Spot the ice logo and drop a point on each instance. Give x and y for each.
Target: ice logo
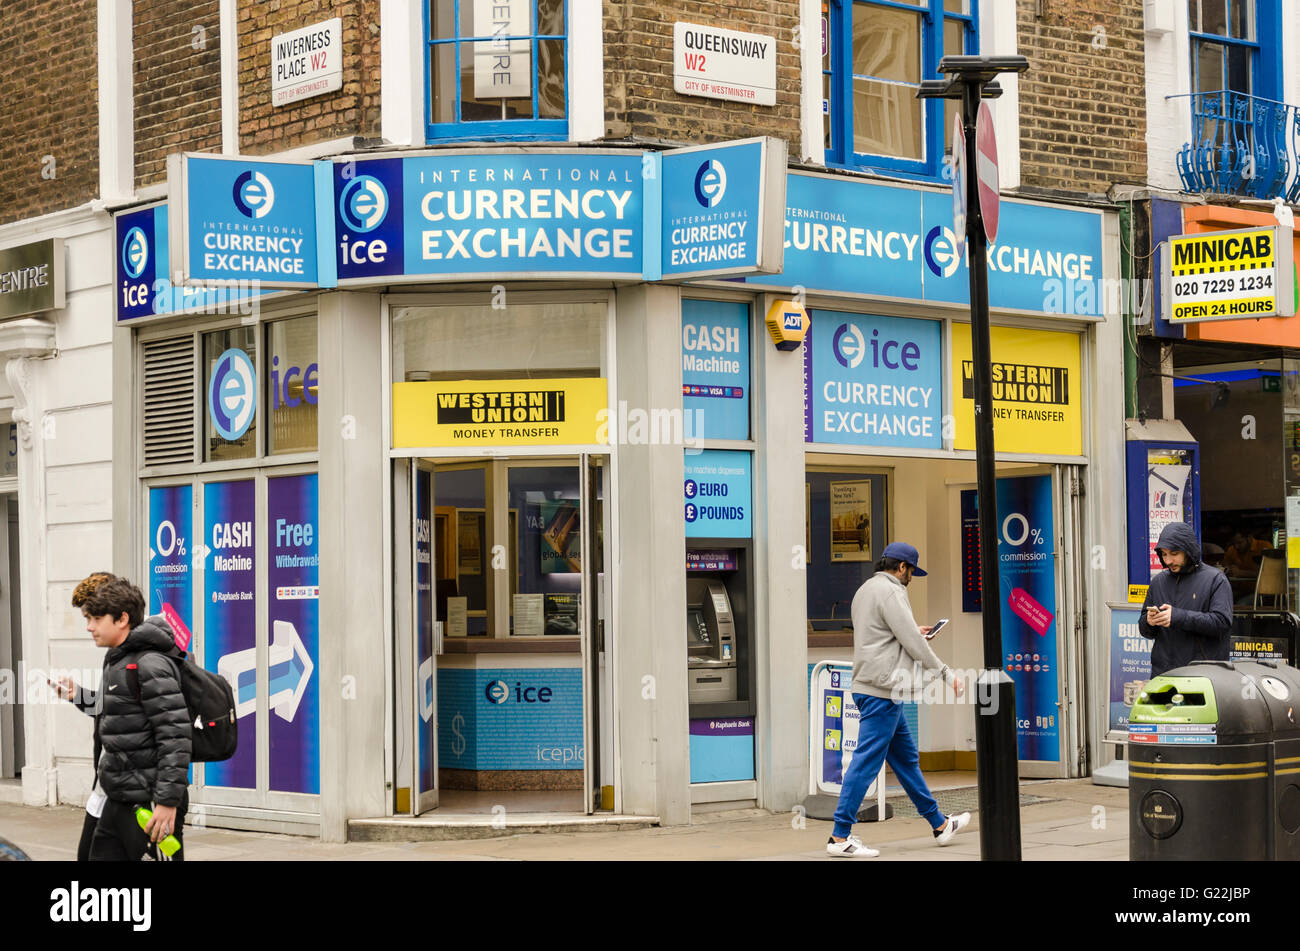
(497, 691)
(253, 194)
(941, 255)
(364, 203)
(848, 345)
(710, 183)
(135, 253)
(232, 394)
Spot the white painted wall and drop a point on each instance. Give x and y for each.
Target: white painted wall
(64, 500)
(998, 38)
(1169, 121)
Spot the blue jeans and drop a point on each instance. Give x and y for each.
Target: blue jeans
(883, 736)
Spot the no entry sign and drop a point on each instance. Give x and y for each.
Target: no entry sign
(986, 168)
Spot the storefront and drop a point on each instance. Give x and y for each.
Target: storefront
(440, 514)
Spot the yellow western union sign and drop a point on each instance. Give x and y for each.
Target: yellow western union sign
(1226, 275)
(470, 413)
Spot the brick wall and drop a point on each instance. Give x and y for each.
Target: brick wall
(640, 100)
(351, 111)
(177, 82)
(49, 153)
(1083, 101)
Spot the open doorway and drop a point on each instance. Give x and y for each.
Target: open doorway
(499, 572)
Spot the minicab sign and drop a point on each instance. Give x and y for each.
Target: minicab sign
(1229, 275)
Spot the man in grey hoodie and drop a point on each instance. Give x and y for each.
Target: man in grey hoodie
(1188, 609)
(889, 654)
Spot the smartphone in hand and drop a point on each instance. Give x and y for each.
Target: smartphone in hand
(937, 628)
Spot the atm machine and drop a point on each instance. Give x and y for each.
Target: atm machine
(718, 656)
(710, 641)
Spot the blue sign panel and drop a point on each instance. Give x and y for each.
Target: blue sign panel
(171, 581)
(230, 617)
(542, 214)
(722, 749)
(1027, 586)
(425, 658)
(873, 381)
(513, 718)
(711, 209)
(248, 220)
(848, 236)
(293, 583)
(1046, 260)
(717, 490)
(144, 287)
(715, 369)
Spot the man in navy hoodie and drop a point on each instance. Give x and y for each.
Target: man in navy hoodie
(1188, 610)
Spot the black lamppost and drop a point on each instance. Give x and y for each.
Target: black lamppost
(970, 79)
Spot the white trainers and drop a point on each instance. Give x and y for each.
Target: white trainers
(851, 847)
(955, 824)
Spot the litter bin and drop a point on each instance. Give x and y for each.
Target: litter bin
(1214, 763)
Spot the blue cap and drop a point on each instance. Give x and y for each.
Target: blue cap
(904, 553)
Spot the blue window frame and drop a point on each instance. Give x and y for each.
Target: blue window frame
(496, 69)
(875, 55)
(1226, 50)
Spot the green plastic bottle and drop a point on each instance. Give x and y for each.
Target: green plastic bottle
(169, 845)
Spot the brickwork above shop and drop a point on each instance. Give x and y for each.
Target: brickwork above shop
(351, 111)
(177, 74)
(639, 96)
(50, 150)
(1083, 101)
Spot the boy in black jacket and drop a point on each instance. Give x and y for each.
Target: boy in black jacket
(1188, 609)
(146, 734)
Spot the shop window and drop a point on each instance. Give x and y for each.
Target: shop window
(845, 514)
(292, 382)
(463, 551)
(230, 394)
(875, 55)
(546, 525)
(522, 341)
(497, 69)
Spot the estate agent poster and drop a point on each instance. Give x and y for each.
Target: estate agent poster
(850, 521)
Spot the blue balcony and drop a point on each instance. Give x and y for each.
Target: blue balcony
(1242, 145)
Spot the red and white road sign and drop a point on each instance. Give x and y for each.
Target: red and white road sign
(986, 169)
(958, 167)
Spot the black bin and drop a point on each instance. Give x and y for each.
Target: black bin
(1214, 764)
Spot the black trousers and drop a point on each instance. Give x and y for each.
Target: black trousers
(117, 837)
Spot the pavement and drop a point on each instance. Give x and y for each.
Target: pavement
(1061, 820)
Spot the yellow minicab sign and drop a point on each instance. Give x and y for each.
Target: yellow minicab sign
(1137, 593)
(1228, 275)
(467, 413)
(1036, 391)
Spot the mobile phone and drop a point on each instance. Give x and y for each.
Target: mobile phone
(937, 628)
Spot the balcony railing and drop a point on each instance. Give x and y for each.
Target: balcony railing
(1242, 145)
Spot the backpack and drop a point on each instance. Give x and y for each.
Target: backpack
(210, 702)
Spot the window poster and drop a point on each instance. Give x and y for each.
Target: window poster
(293, 581)
(850, 521)
(230, 617)
(171, 580)
(469, 541)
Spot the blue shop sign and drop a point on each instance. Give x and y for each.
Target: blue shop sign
(243, 220)
(715, 369)
(144, 288)
(846, 236)
(718, 489)
(521, 215)
(721, 207)
(873, 381)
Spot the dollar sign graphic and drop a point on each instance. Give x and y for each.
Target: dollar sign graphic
(458, 744)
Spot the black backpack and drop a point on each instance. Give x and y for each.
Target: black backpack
(211, 705)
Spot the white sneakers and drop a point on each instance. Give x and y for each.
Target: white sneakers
(851, 848)
(955, 824)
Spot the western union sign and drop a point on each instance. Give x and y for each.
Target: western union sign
(479, 413)
(1228, 275)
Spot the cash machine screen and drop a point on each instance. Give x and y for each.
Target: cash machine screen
(697, 632)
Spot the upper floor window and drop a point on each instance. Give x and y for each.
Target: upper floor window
(876, 54)
(1223, 46)
(497, 69)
